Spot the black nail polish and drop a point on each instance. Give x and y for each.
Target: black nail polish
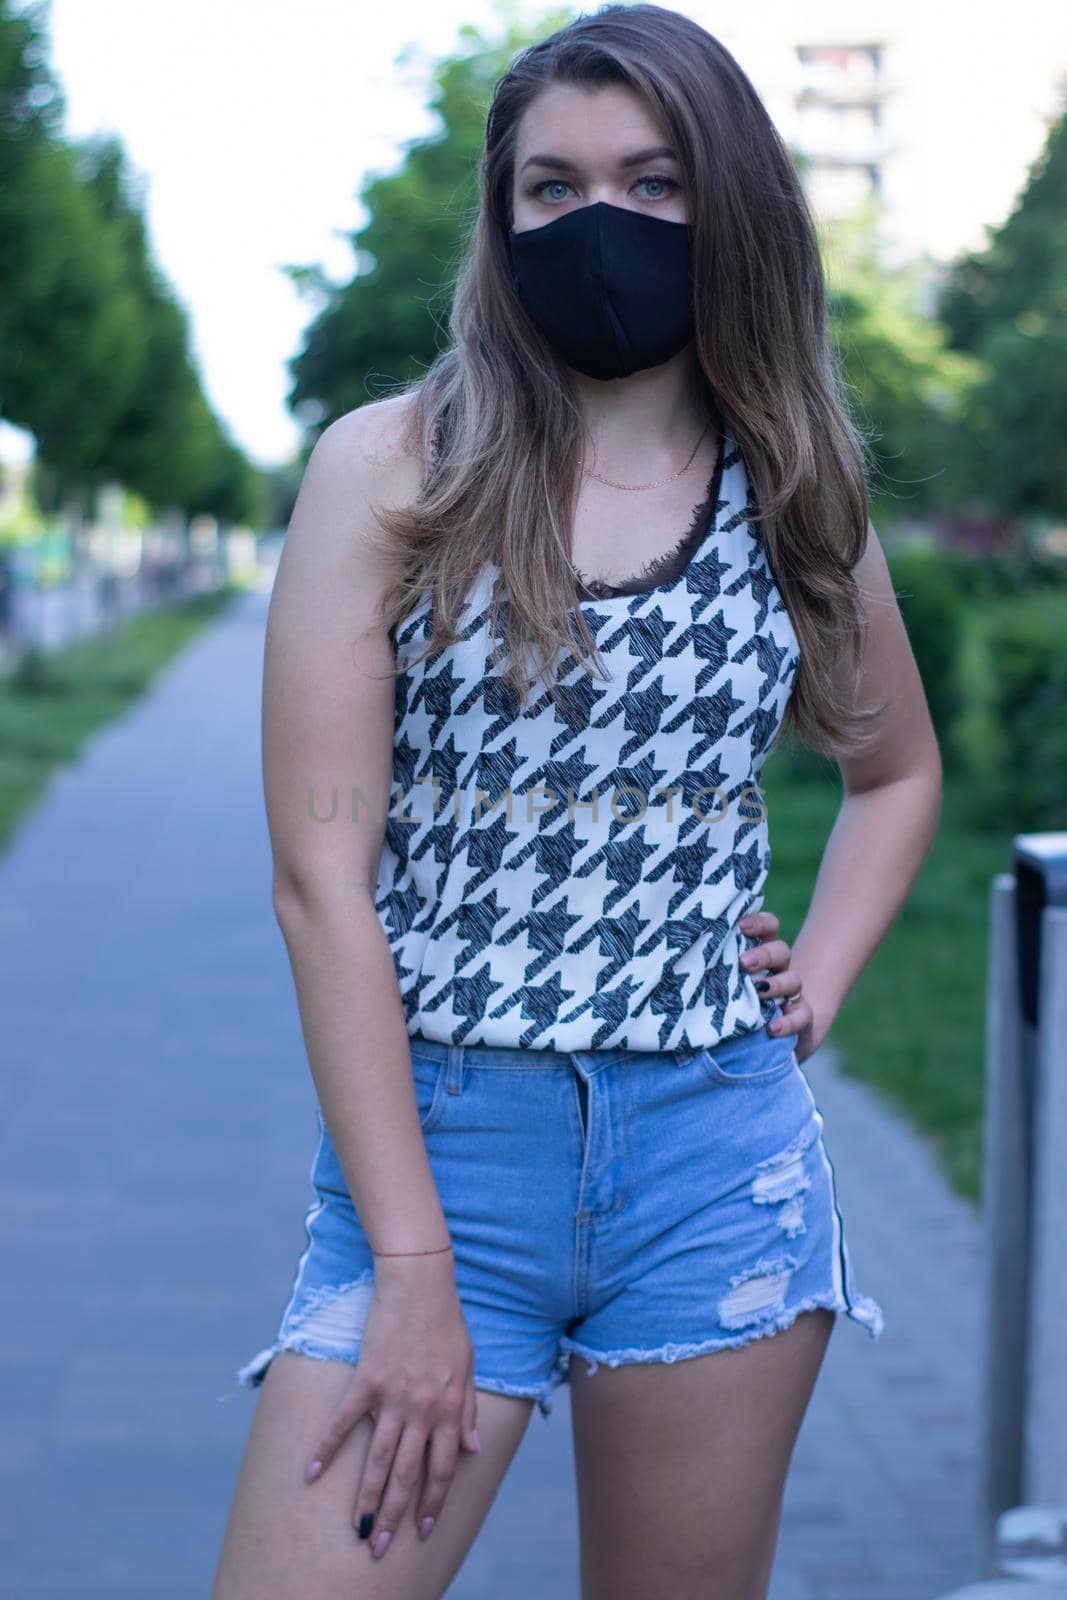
(762, 985)
(366, 1523)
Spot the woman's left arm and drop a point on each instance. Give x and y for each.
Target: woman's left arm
(881, 836)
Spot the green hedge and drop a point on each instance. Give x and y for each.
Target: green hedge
(989, 635)
(1013, 736)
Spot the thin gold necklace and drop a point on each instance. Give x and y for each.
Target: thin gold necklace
(613, 485)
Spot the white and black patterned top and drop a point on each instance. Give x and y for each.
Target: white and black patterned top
(572, 877)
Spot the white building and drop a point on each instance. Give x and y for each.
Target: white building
(936, 109)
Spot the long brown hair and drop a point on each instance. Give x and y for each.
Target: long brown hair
(497, 418)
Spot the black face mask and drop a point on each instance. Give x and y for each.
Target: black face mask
(609, 287)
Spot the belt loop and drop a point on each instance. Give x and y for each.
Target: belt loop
(454, 1069)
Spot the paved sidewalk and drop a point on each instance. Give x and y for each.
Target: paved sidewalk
(156, 1128)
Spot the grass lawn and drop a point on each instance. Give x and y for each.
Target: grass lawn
(913, 1026)
(52, 701)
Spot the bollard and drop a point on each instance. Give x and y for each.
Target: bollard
(1031, 1557)
(1032, 1544)
(1005, 1213)
(1024, 1210)
(1043, 906)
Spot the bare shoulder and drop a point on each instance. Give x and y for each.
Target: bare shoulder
(334, 562)
(365, 459)
(379, 430)
(374, 446)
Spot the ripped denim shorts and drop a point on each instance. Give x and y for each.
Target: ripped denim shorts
(618, 1205)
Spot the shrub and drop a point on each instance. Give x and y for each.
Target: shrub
(1019, 761)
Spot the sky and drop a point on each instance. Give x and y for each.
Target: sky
(255, 123)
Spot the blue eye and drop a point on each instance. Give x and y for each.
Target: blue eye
(547, 183)
(669, 184)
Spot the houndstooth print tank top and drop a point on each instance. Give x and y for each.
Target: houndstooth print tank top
(572, 877)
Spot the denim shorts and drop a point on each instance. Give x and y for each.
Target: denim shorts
(618, 1205)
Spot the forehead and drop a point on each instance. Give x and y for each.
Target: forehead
(591, 124)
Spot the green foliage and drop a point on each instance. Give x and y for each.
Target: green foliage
(35, 674)
(993, 576)
(905, 389)
(988, 638)
(1013, 735)
(95, 356)
(390, 320)
(1007, 307)
(51, 702)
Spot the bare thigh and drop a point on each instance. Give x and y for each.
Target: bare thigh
(290, 1540)
(682, 1465)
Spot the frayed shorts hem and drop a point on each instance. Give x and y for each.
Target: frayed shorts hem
(252, 1374)
(542, 1393)
(863, 1310)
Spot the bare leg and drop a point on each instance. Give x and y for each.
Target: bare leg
(291, 1540)
(682, 1465)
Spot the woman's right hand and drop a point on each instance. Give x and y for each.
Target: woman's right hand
(415, 1378)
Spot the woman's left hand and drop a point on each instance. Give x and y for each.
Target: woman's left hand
(780, 983)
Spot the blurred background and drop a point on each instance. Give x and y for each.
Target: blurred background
(222, 226)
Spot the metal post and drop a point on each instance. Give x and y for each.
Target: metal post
(1045, 1465)
(1024, 1211)
(1005, 1211)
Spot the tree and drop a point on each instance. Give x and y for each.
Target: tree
(94, 349)
(907, 390)
(1006, 306)
(388, 322)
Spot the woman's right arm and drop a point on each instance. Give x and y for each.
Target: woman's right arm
(328, 709)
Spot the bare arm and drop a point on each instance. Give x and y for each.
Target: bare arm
(328, 731)
(328, 722)
(887, 820)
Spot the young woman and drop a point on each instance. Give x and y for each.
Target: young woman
(514, 722)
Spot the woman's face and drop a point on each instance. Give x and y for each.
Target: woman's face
(576, 146)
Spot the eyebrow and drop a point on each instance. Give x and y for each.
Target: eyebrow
(656, 152)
